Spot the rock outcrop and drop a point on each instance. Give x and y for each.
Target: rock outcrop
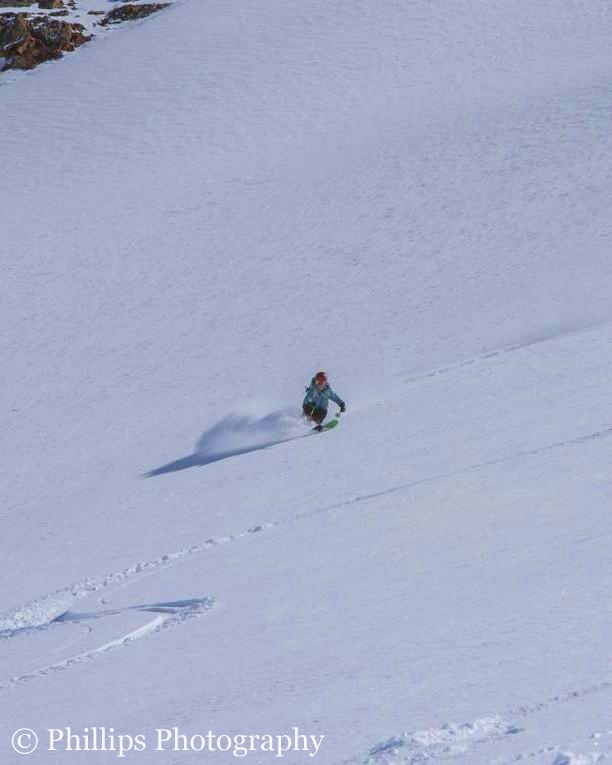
(26, 42)
(130, 12)
(29, 38)
(50, 4)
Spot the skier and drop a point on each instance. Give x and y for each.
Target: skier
(316, 400)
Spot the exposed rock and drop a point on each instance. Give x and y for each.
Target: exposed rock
(25, 43)
(16, 3)
(130, 12)
(50, 4)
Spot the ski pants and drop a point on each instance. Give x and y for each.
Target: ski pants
(315, 413)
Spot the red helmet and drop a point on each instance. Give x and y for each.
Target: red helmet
(321, 377)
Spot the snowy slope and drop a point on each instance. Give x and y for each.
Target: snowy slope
(204, 210)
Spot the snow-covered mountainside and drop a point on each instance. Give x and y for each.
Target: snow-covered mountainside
(199, 213)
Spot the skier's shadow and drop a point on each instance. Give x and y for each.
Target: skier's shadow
(197, 460)
(235, 435)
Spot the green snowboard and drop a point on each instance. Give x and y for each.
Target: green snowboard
(328, 425)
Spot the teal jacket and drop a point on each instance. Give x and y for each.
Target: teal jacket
(320, 397)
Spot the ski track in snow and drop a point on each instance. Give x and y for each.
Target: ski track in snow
(563, 757)
(88, 586)
(167, 615)
(53, 607)
(452, 740)
(505, 349)
(449, 741)
(569, 758)
(212, 448)
(595, 436)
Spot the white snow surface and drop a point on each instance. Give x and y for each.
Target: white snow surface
(199, 213)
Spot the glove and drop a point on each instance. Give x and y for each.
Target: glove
(343, 407)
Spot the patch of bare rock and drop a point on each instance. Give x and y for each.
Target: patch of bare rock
(28, 39)
(130, 12)
(43, 4)
(26, 42)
